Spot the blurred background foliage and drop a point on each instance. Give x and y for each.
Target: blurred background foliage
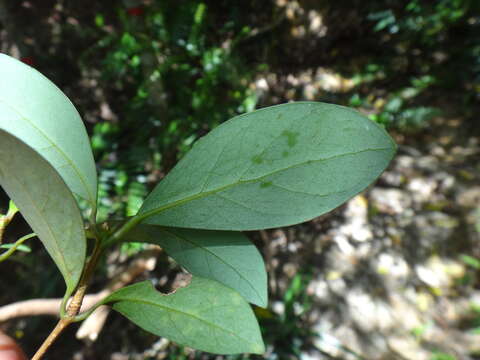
(151, 77)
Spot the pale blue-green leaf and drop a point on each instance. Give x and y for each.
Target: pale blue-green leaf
(272, 167)
(34, 110)
(46, 203)
(204, 315)
(225, 256)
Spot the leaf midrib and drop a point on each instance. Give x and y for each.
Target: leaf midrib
(166, 308)
(241, 182)
(48, 226)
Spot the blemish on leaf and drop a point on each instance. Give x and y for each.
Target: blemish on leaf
(291, 137)
(266, 184)
(285, 154)
(279, 116)
(257, 159)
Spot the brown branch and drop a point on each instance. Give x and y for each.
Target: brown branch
(145, 262)
(73, 308)
(93, 325)
(61, 325)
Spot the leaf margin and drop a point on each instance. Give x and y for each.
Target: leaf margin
(257, 346)
(71, 276)
(82, 164)
(203, 246)
(147, 213)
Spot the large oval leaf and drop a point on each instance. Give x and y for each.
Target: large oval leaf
(34, 110)
(225, 256)
(205, 315)
(273, 167)
(46, 203)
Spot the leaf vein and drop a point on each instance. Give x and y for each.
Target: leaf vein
(167, 308)
(48, 226)
(241, 182)
(219, 259)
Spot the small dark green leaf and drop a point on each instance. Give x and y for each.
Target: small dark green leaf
(46, 203)
(225, 256)
(34, 110)
(272, 167)
(205, 315)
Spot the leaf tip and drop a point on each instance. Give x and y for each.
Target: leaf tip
(261, 300)
(258, 347)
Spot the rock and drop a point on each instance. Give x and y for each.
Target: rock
(390, 201)
(469, 197)
(404, 162)
(407, 348)
(356, 215)
(432, 228)
(446, 181)
(439, 273)
(422, 188)
(427, 163)
(368, 313)
(393, 266)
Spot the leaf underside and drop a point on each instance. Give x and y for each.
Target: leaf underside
(46, 203)
(225, 256)
(34, 110)
(273, 167)
(205, 315)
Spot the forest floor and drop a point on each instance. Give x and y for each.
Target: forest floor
(395, 272)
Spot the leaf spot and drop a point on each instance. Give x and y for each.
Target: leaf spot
(266, 184)
(257, 159)
(292, 137)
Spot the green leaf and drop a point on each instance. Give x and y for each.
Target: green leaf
(23, 248)
(273, 167)
(34, 110)
(205, 315)
(46, 203)
(228, 257)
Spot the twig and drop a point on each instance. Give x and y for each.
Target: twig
(61, 325)
(146, 261)
(19, 242)
(7, 218)
(75, 304)
(3, 225)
